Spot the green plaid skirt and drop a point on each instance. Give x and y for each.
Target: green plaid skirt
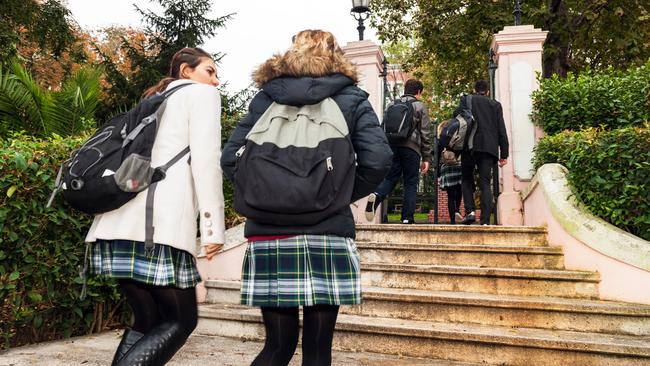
(126, 259)
(303, 270)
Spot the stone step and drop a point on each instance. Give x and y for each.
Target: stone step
(501, 310)
(452, 234)
(462, 255)
(501, 281)
(455, 342)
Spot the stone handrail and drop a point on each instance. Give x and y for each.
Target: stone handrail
(582, 225)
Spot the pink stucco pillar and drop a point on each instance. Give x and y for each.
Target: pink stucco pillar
(367, 56)
(519, 56)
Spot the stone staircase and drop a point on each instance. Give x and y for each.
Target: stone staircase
(466, 295)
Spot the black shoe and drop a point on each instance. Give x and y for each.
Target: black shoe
(157, 347)
(469, 219)
(371, 206)
(408, 221)
(129, 338)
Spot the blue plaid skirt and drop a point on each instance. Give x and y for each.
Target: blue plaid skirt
(126, 259)
(303, 270)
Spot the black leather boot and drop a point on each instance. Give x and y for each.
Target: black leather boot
(129, 338)
(157, 347)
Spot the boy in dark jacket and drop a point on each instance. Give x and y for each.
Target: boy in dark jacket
(409, 157)
(490, 145)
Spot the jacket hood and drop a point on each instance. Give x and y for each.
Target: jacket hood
(305, 90)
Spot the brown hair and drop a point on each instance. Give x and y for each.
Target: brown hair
(190, 56)
(313, 53)
(413, 86)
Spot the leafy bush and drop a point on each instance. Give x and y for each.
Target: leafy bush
(608, 172)
(611, 100)
(41, 249)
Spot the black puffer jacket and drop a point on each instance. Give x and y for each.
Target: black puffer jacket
(374, 155)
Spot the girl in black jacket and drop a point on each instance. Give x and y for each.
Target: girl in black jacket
(315, 266)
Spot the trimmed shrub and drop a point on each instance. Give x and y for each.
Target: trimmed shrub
(608, 172)
(609, 100)
(41, 250)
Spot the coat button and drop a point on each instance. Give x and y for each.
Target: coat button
(209, 232)
(207, 215)
(208, 223)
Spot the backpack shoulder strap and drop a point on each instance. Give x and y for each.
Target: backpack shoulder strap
(469, 102)
(168, 93)
(151, 191)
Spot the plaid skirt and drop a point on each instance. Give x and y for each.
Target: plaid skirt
(126, 259)
(450, 175)
(303, 270)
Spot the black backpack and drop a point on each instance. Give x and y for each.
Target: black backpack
(297, 166)
(111, 167)
(398, 122)
(458, 134)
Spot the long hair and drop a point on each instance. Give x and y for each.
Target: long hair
(191, 56)
(313, 53)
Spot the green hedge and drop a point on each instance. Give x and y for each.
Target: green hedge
(41, 249)
(611, 100)
(608, 171)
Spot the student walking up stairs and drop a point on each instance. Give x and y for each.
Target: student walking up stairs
(473, 295)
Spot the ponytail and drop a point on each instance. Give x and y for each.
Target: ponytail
(158, 88)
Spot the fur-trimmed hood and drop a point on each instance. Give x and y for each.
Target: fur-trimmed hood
(298, 64)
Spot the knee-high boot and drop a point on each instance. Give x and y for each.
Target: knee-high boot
(129, 338)
(157, 346)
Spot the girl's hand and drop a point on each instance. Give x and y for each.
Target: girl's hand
(212, 249)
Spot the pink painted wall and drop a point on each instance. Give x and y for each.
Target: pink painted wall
(225, 266)
(515, 46)
(619, 281)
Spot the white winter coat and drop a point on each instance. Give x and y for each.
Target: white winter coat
(192, 186)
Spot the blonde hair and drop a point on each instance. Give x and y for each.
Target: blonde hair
(442, 125)
(313, 53)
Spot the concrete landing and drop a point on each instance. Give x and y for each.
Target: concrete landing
(198, 351)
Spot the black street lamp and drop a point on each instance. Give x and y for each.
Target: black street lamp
(492, 67)
(384, 74)
(360, 11)
(517, 12)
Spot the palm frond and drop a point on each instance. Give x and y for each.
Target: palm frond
(21, 101)
(74, 103)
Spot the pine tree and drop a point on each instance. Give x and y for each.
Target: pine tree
(181, 24)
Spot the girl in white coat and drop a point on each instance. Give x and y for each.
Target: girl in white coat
(160, 288)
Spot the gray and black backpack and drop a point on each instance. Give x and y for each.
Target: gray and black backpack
(112, 166)
(297, 166)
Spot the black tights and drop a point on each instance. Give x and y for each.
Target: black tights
(454, 195)
(282, 329)
(153, 305)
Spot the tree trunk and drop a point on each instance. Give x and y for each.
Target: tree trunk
(556, 48)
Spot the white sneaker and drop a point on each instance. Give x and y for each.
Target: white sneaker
(459, 217)
(371, 206)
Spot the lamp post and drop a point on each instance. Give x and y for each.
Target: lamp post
(384, 74)
(360, 11)
(517, 12)
(492, 67)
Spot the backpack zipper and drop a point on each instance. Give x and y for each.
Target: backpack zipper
(240, 152)
(330, 167)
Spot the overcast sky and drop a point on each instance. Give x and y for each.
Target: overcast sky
(259, 28)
